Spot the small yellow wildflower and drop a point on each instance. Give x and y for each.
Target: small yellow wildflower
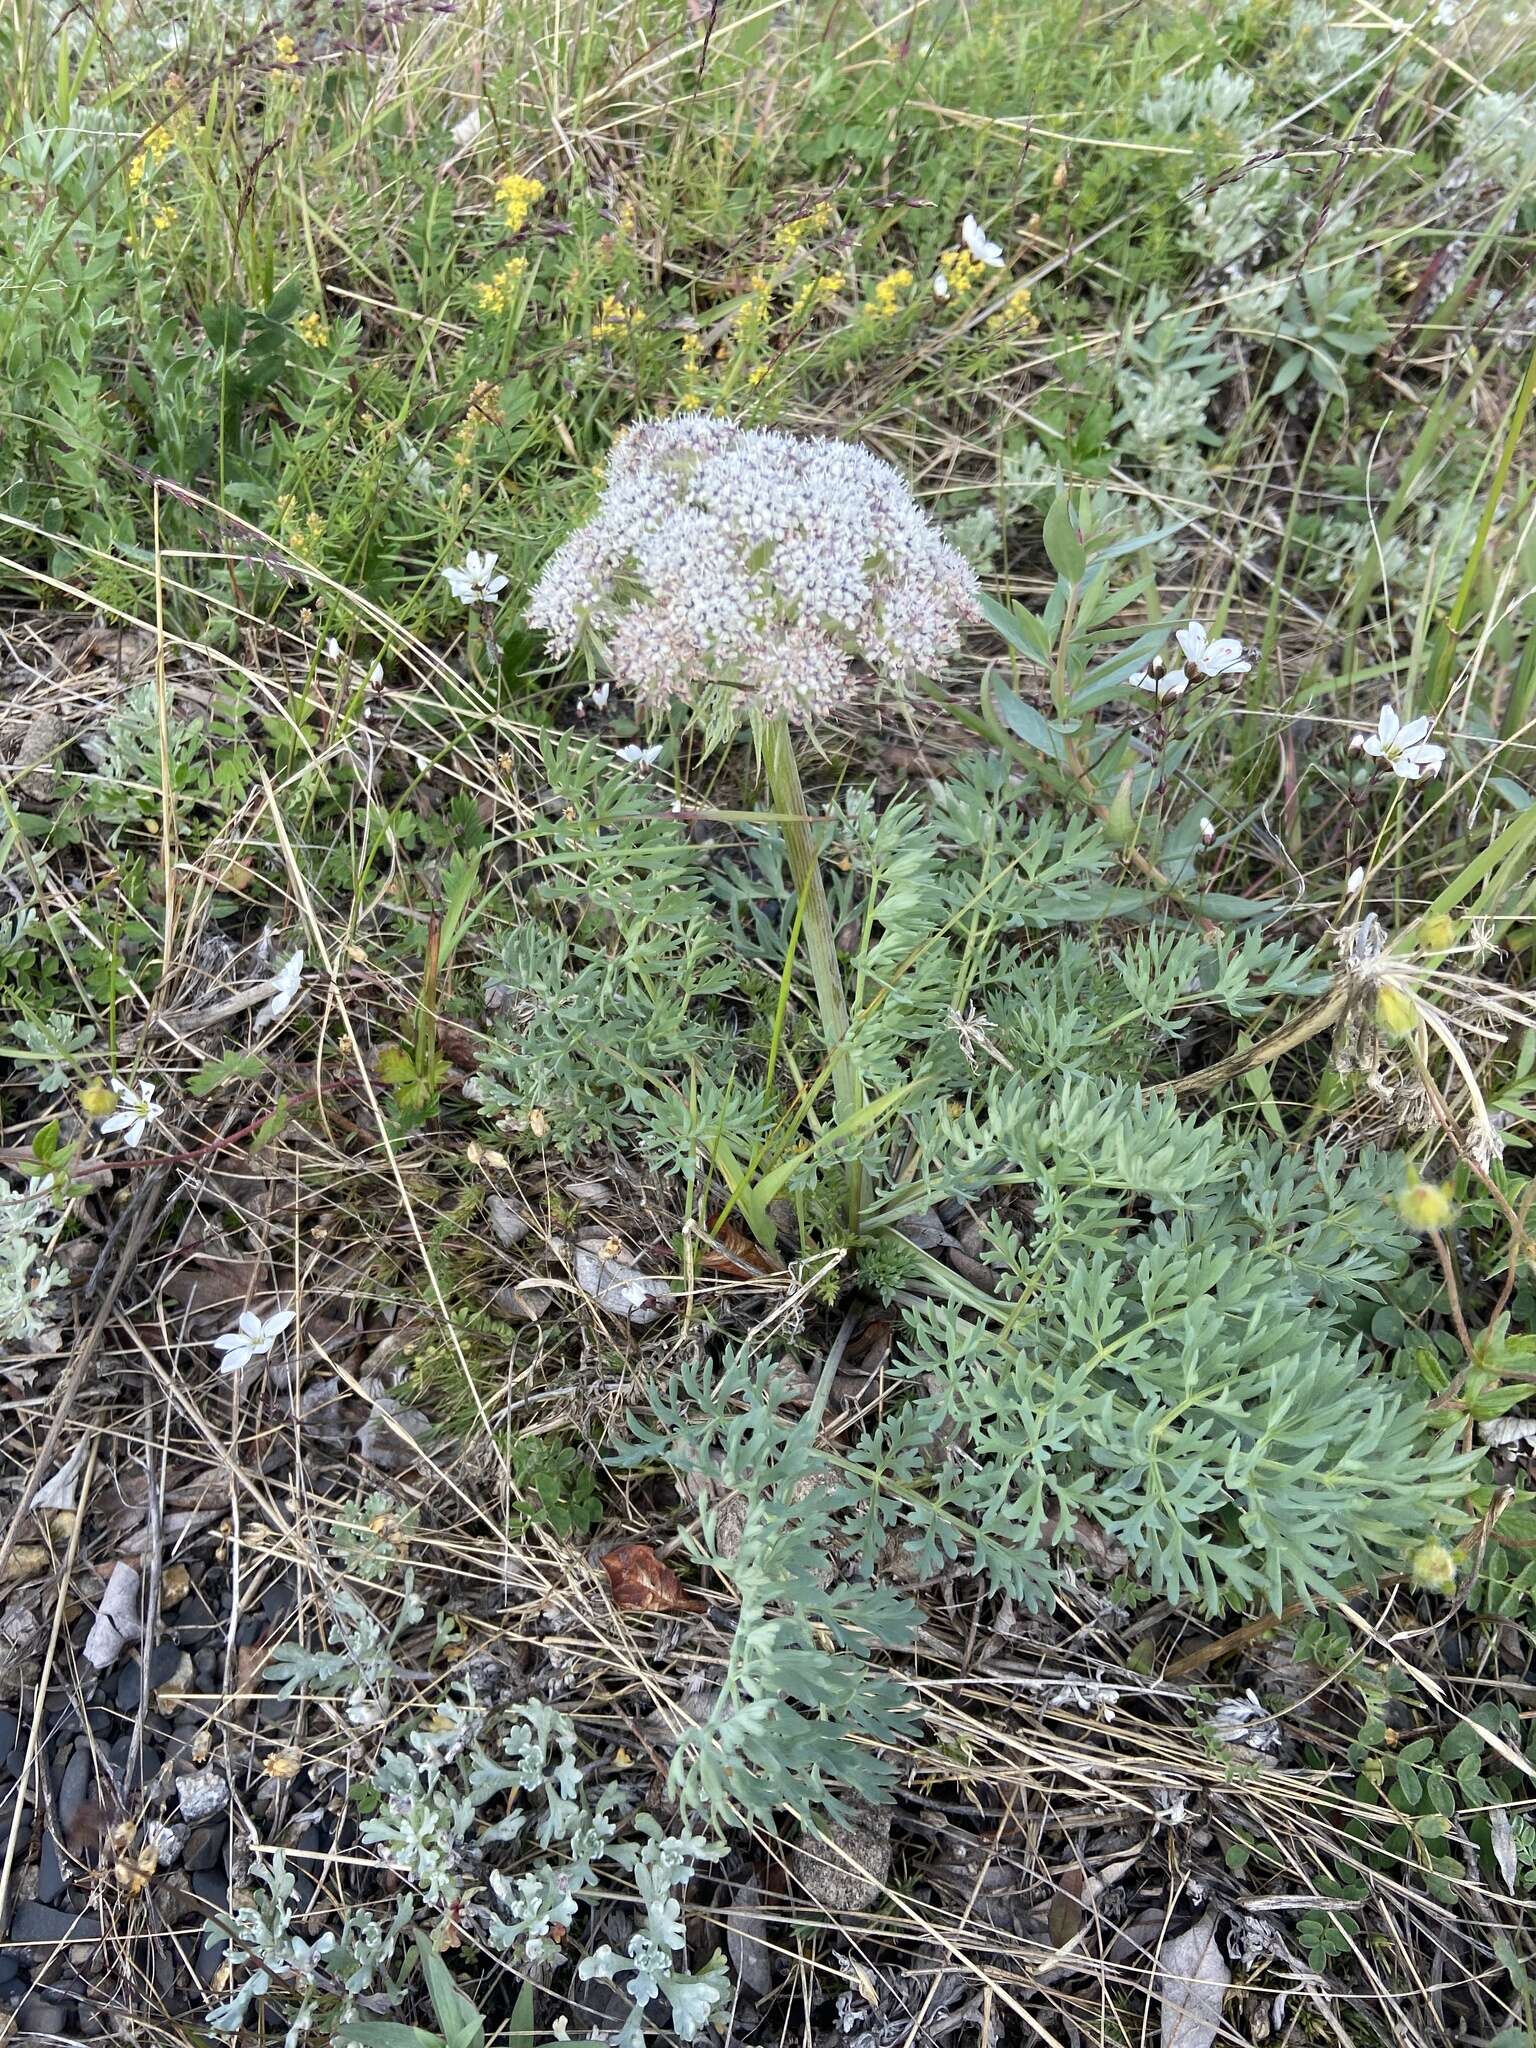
(888, 296)
(312, 330)
(1425, 1207)
(499, 294)
(961, 273)
(816, 291)
(1396, 1012)
(690, 398)
(164, 217)
(615, 318)
(795, 233)
(624, 220)
(157, 146)
(285, 52)
(517, 196)
(1437, 934)
(755, 310)
(1015, 317)
(1433, 1566)
(758, 372)
(96, 1100)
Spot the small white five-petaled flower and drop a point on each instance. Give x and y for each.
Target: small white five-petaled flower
(975, 238)
(1163, 684)
(138, 1111)
(643, 758)
(1407, 749)
(1209, 657)
(477, 582)
(1207, 831)
(252, 1337)
(285, 986)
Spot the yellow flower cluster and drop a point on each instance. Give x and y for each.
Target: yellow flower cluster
(888, 296)
(795, 233)
(312, 330)
(158, 144)
(961, 271)
(816, 291)
(499, 293)
(482, 410)
(285, 53)
(615, 318)
(690, 398)
(1015, 317)
(164, 217)
(753, 314)
(517, 196)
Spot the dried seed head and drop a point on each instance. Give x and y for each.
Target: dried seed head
(792, 570)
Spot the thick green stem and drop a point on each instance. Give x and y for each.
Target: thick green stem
(776, 751)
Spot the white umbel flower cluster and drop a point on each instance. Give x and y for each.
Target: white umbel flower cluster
(785, 568)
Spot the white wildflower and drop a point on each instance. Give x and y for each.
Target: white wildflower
(252, 1337)
(1209, 657)
(940, 285)
(975, 239)
(792, 571)
(1355, 883)
(476, 582)
(1407, 749)
(596, 698)
(137, 1110)
(465, 131)
(285, 986)
(643, 758)
(1165, 684)
(1207, 831)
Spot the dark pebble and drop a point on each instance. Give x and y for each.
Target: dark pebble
(10, 1731)
(40, 2016)
(214, 1893)
(40, 1927)
(247, 1629)
(164, 1662)
(52, 1873)
(101, 1720)
(10, 1970)
(205, 1848)
(205, 1667)
(77, 1789)
(280, 1598)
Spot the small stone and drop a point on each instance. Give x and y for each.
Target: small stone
(213, 1892)
(52, 1875)
(38, 2018)
(203, 1848)
(164, 1667)
(77, 1790)
(201, 1796)
(167, 1697)
(166, 1841)
(845, 1870)
(44, 1928)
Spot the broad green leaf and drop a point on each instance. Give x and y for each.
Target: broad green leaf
(1065, 551)
(1028, 723)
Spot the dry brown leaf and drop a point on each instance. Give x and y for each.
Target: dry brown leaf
(1192, 1977)
(641, 1584)
(117, 1624)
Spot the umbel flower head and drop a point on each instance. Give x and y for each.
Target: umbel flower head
(786, 569)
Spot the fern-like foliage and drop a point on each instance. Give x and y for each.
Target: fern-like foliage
(799, 1713)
